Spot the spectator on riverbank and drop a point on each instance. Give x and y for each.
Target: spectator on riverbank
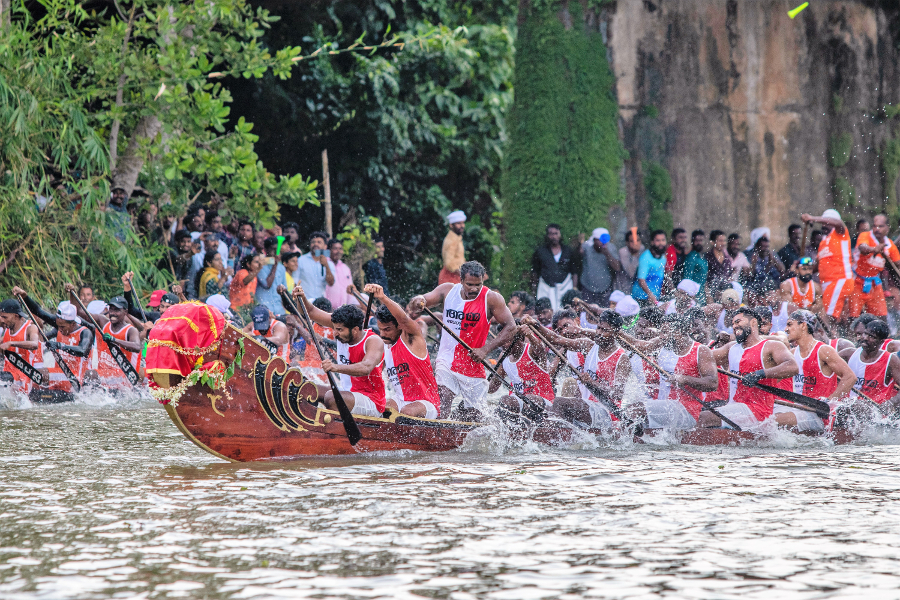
(651, 273)
(313, 268)
(374, 269)
(337, 293)
(599, 267)
(629, 256)
(554, 269)
(453, 254)
(695, 266)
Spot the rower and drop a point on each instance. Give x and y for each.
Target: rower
(543, 310)
(859, 327)
(822, 373)
(758, 360)
(802, 291)
(271, 332)
(520, 303)
(360, 354)
(692, 368)
(20, 335)
(876, 370)
(71, 337)
(469, 307)
(406, 361)
(647, 326)
(683, 297)
(527, 369)
(118, 330)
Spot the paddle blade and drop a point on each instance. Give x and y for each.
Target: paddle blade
(350, 426)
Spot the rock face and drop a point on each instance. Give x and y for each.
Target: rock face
(753, 114)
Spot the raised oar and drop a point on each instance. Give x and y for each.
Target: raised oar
(368, 310)
(706, 405)
(350, 426)
(822, 409)
(506, 384)
(137, 296)
(599, 393)
(76, 385)
(118, 355)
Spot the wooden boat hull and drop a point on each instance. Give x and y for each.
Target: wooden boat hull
(269, 413)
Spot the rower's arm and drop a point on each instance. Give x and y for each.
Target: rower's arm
(783, 366)
(839, 367)
(894, 372)
(623, 370)
(132, 342)
(495, 381)
(650, 345)
(317, 315)
(280, 335)
(83, 347)
(580, 344)
(374, 356)
(407, 325)
(709, 377)
(432, 298)
(720, 355)
(501, 313)
(36, 309)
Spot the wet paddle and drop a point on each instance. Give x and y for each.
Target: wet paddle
(76, 385)
(822, 409)
(137, 297)
(24, 367)
(506, 384)
(368, 310)
(668, 376)
(117, 353)
(350, 426)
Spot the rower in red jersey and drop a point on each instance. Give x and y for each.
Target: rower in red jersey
(876, 370)
(406, 361)
(859, 328)
(822, 373)
(759, 361)
(469, 307)
(527, 370)
(20, 335)
(360, 354)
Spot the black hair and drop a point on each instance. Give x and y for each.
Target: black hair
(763, 314)
(84, 286)
(181, 234)
(349, 315)
(697, 233)
(860, 222)
(332, 242)
(761, 239)
(245, 222)
(792, 228)
(695, 313)
(552, 226)
(682, 320)
(270, 242)
(472, 267)
(714, 234)
(733, 236)
(207, 261)
(751, 313)
(323, 304)
(879, 329)
(290, 225)
(678, 230)
(562, 314)
(318, 234)
(628, 235)
(653, 315)
(570, 295)
(815, 232)
(542, 304)
(245, 262)
(657, 232)
(524, 297)
(383, 315)
(611, 317)
(863, 319)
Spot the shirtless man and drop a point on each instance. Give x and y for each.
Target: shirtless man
(406, 361)
(360, 353)
(822, 373)
(759, 361)
(469, 307)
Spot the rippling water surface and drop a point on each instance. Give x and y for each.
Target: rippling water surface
(111, 501)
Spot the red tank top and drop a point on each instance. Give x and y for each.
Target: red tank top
(681, 364)
(527, 377)
(834, 343)
(468, 319)
(810, 381)
(371, 385)
(607, 368)
(886, 343)
(283, 351)
(107, 369)
(745, 361)
(33, 357)
(873, 378)
(411, 377)
(76, 364)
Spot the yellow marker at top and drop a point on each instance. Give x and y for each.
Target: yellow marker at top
(796, 11)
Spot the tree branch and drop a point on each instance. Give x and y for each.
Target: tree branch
(120, 92)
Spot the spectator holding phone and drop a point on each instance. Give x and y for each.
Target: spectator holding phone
(600, 265)
(271, 275)
(313, 269)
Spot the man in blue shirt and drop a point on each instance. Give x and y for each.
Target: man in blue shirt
(313, 268)
(270, 276)
(651, 271)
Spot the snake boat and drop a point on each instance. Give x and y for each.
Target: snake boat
(266, 410)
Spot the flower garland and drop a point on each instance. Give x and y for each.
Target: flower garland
(213, 375)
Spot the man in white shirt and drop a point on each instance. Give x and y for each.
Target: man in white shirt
(337, 293)
(313, 267)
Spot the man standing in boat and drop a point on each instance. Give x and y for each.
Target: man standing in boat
(406, 360)
(469, 307)
(759, 361)
(360, 354)
(20, 336)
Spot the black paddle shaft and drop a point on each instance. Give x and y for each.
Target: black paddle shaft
(822, 409)
(118, 355)
(76, 385)
(350, 426)
(24, 366)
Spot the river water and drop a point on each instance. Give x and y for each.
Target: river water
(110, 501)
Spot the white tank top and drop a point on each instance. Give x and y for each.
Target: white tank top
(779, 321)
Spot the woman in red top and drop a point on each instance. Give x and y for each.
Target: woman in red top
(243, 286)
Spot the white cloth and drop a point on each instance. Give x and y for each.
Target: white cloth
(668, 414)
(689, 287)
(97, 307)
(600, 418)
(740, 413)
(599, 232)
(616, 296)
(806, 421)
(831, 214)
(472, 389)
(554, 293)
(756, 234)
(457, 216)
(628, 307)
(363, 405)
(430, 409)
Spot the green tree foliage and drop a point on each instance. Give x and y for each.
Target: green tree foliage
(658, 184)
(839, 150)
(411, 135)
(564, 156)
(140, 89)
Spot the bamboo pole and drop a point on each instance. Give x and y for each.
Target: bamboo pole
(326, 181)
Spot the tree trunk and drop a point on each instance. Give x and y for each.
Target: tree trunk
(132, 160)
(5, 7)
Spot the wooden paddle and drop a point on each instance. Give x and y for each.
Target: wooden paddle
(76, 385)
(706, 405)
(117, 353)
(822, 409)
(350, 426)
(368, 310)
(506, 384)
(599, 393)
(137, 297)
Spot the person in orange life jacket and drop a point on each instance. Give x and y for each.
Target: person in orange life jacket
(823, 373)
(876, 372)
(834, 260)
(67, 323)
(26, 344)
(873, 246)
(469, 307)
(759, 361)
(360, 356)
(272, 333)
(801, 291)
(527, 368)
(407, 363)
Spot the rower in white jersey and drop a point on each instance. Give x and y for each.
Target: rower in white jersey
(469, 307)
